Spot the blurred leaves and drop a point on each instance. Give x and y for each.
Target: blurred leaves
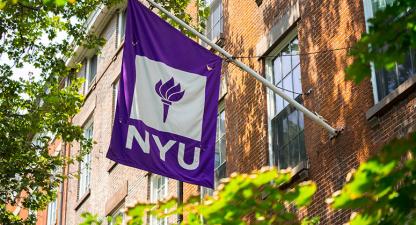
(258, 196)
(36, 108)
(382, 190)
(179, 8)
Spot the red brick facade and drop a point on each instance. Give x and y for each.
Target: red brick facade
(325, 29)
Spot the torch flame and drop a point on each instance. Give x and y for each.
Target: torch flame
(169, 93)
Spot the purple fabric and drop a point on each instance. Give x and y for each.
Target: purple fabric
(149, 36)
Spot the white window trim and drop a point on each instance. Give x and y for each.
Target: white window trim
(368, 14)
(116, 88)
(52, 213)
(120, 39)
(217, 37)
(221, 108)
(81, 194)
(270, 94)
(87, 83)
(165, 194)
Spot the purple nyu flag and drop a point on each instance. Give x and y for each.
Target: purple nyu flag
(167, 103)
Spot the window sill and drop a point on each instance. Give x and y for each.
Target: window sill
(299, 173)
(392, 98)
(82, 200)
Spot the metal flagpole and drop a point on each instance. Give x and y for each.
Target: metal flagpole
(180, 200)
(332, 131)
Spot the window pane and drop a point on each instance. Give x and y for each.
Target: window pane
(293, 159)
(286, 61)
(123, 24)
(302, 149)
(222, 123)
(285, 132)
(287, 85)
(293, 124)
(222, 148)
(386, 81)
(380, 4)
(214, 23)
(93, 69)
(220, 172)
(283, 158)
(295, 152)
(301, 122)
(406, 69)
(295, 52)
(217, 154)
(288, 123)
(297, 85)
(278, 103)
(277, 70)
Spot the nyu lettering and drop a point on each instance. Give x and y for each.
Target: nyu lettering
(144, 143)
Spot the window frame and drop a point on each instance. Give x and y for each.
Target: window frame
(52, 214)
(85, 185)
(87, 72)
(116, 88)
(204, 191)
(209, 29)
(152, 200)
(368, 14)
(271, 106)
(121, 26)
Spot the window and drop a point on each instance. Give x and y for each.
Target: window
(51, 220)
(286, 122)
(220, 153)
(118, 217)
(121, 27)
(214, 26)
(158, 191)
(92, 69)
(85, 166)
(115, 95)
(89, 71)
(385, 82)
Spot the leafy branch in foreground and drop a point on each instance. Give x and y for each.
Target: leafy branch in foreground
(258, 195)
(37, 109)
(382, 190)
(392, 32)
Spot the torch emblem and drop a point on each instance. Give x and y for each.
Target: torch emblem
(169, 93)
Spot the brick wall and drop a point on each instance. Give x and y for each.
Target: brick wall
(251, 30)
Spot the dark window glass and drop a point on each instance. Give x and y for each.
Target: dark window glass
(93, 69)
(388, 81)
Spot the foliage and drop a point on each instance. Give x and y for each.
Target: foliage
(382, 190)
(258, 195)
(179, 9)
(34, 110)
(391, 34)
